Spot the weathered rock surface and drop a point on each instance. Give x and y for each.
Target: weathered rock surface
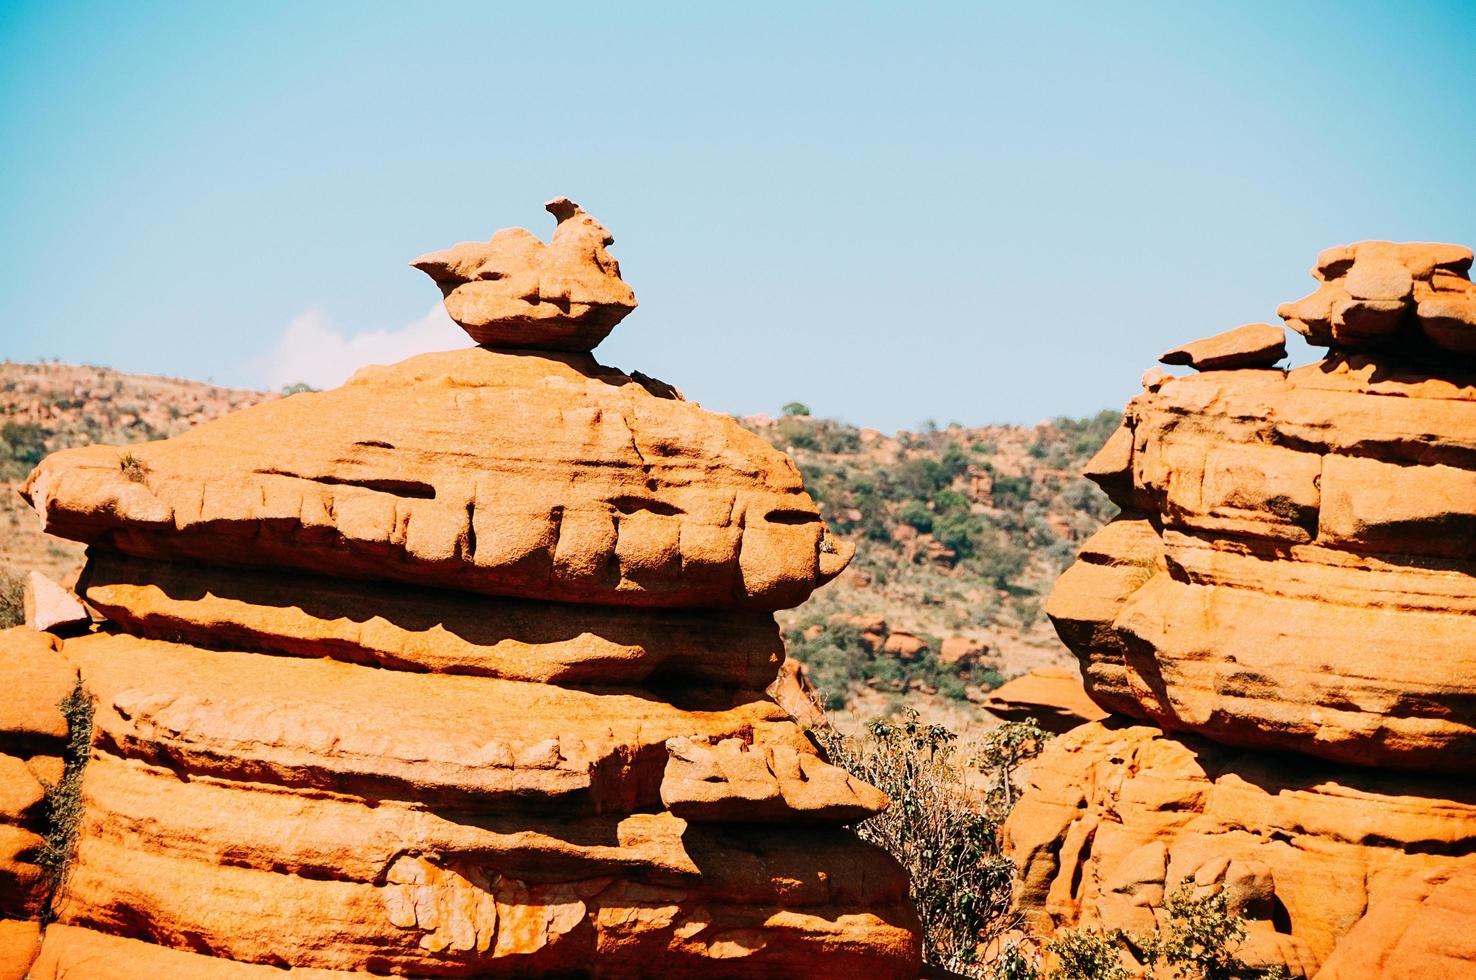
(1116, 817)
(1290, 597)
(515, 291)
(33, 732)
(1293, 568)
(430, 630)
(525, 475)
(1255, 345)
(1389, 295)
(1053, 696)
(20, 941)
(457, 670)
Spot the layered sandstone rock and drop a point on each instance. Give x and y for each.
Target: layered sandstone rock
(457, 670)
(1293, 578)
(1313, 855)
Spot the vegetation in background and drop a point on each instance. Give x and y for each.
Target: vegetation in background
(64, 800)
(958, 532)
(942, 833)
(12, 599)
(838, 660)
(22, 446)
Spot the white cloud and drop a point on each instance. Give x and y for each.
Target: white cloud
(312, 350)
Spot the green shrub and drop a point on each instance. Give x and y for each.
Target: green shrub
(918, 516)
(1198, 940)
(1201, 940)
(796, 408)
(938, 830)
(64, 800)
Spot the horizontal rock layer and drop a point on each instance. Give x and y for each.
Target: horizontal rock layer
(1294, 569)
(366, 884)
(545, 477)
(245, 810)
(426, 630)
(1321, 859)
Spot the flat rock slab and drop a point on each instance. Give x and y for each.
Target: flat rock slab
(432, 630)
(1255, 345)
(469, 741)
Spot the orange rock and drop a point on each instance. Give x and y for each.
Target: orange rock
(1053, 696)
(445, 739)
(907, 646)
(1292, 578)
(426, 630)
(23, 889)
(514, 291)
(1423, 930)
(431, 891)
(533, 476)
(1255, 345)
(1398, 296)
(21, 794)
(457, 670)
(962, 650)
(1115, 818)
(20, 940)
(732, 780)
(1293, 569)
(36, 680)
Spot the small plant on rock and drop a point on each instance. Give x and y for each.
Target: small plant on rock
(133, 468)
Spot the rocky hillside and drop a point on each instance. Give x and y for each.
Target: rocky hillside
(959, 531)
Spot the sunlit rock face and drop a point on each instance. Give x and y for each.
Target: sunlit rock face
(456, 670)
(1288, 600)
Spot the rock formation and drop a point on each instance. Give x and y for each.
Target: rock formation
(1052, 696)
(456, 670)
(1288, 602)
(1253, 345)
(516, 291)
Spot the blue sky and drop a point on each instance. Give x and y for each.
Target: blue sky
(891, 212)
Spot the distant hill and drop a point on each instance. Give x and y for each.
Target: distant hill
(959, 531)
